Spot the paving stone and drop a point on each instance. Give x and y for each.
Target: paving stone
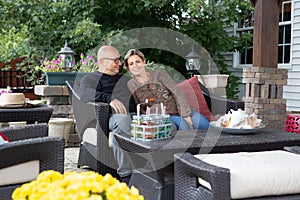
(71, 157)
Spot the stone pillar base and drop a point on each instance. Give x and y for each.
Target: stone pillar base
(215, 83)
(60, 127)
(57, 97)
(264, 94)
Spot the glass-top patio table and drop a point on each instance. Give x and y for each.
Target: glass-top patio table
(152, 180)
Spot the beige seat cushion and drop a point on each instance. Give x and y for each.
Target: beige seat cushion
(257, 174)
(90, 136)
(21, 173)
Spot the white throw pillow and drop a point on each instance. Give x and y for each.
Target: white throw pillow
(255, 174)
(20, 173)
(90, 136)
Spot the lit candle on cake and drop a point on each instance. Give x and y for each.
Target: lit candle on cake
(148, 111)
(138, 109)
(162, 108)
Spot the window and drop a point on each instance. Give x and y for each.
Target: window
(242, 59)
(284, 39)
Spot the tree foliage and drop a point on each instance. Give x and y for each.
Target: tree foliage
(37, 29)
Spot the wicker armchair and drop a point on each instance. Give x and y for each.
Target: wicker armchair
(187, 169)
(98, 157)
(29, 143)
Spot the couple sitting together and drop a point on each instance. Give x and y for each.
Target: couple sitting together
(123, 93)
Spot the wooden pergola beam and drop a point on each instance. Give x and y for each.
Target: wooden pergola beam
(254, 1)
(265, 33)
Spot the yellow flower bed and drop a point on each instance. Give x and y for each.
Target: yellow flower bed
(52, 185)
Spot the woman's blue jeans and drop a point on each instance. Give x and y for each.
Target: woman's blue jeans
(199, 121)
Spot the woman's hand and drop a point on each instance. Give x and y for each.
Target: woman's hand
(189, 121)
(118, 106)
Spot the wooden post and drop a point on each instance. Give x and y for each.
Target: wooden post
(265, 33)
(264, 82)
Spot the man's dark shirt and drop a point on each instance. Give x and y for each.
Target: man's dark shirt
(99, 87)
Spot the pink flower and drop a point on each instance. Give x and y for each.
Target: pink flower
(56, 62)
(54, 65)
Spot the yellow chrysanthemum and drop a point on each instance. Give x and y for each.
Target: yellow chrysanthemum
(49, 176)
(51, 185)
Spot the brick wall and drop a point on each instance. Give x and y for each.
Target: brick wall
(264, 94)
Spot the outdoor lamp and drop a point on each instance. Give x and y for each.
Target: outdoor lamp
(192, 62)
(67, 55)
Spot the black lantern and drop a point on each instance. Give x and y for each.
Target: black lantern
(192, 63)
(67, 56)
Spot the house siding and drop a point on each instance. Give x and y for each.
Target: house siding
(291, 92)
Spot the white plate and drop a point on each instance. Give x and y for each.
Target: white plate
(12, 106)
(237, 131)
(34, 102)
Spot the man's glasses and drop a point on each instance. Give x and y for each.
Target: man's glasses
(116, 60)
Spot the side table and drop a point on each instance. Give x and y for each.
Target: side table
(40, 114)
(292, 123)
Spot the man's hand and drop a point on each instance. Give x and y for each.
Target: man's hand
(118, 106)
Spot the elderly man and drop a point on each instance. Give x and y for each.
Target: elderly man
(109, 86)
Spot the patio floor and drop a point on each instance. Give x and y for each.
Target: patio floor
(71, 157)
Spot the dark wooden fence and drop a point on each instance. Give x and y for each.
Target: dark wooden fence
(15, 79)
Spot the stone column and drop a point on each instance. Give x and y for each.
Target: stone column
(264, 94)
(264, 82)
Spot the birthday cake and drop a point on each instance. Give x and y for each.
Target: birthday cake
(151, 127)
(12, 99)
(239, 119)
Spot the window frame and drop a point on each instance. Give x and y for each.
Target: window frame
(237, 31)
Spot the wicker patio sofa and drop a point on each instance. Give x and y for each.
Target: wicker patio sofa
(217, 103)
(188, 169)
(210, 104)
(29, 143)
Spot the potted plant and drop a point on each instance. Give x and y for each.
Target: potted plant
(53, 70)
(72, 185)
(87, 63)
